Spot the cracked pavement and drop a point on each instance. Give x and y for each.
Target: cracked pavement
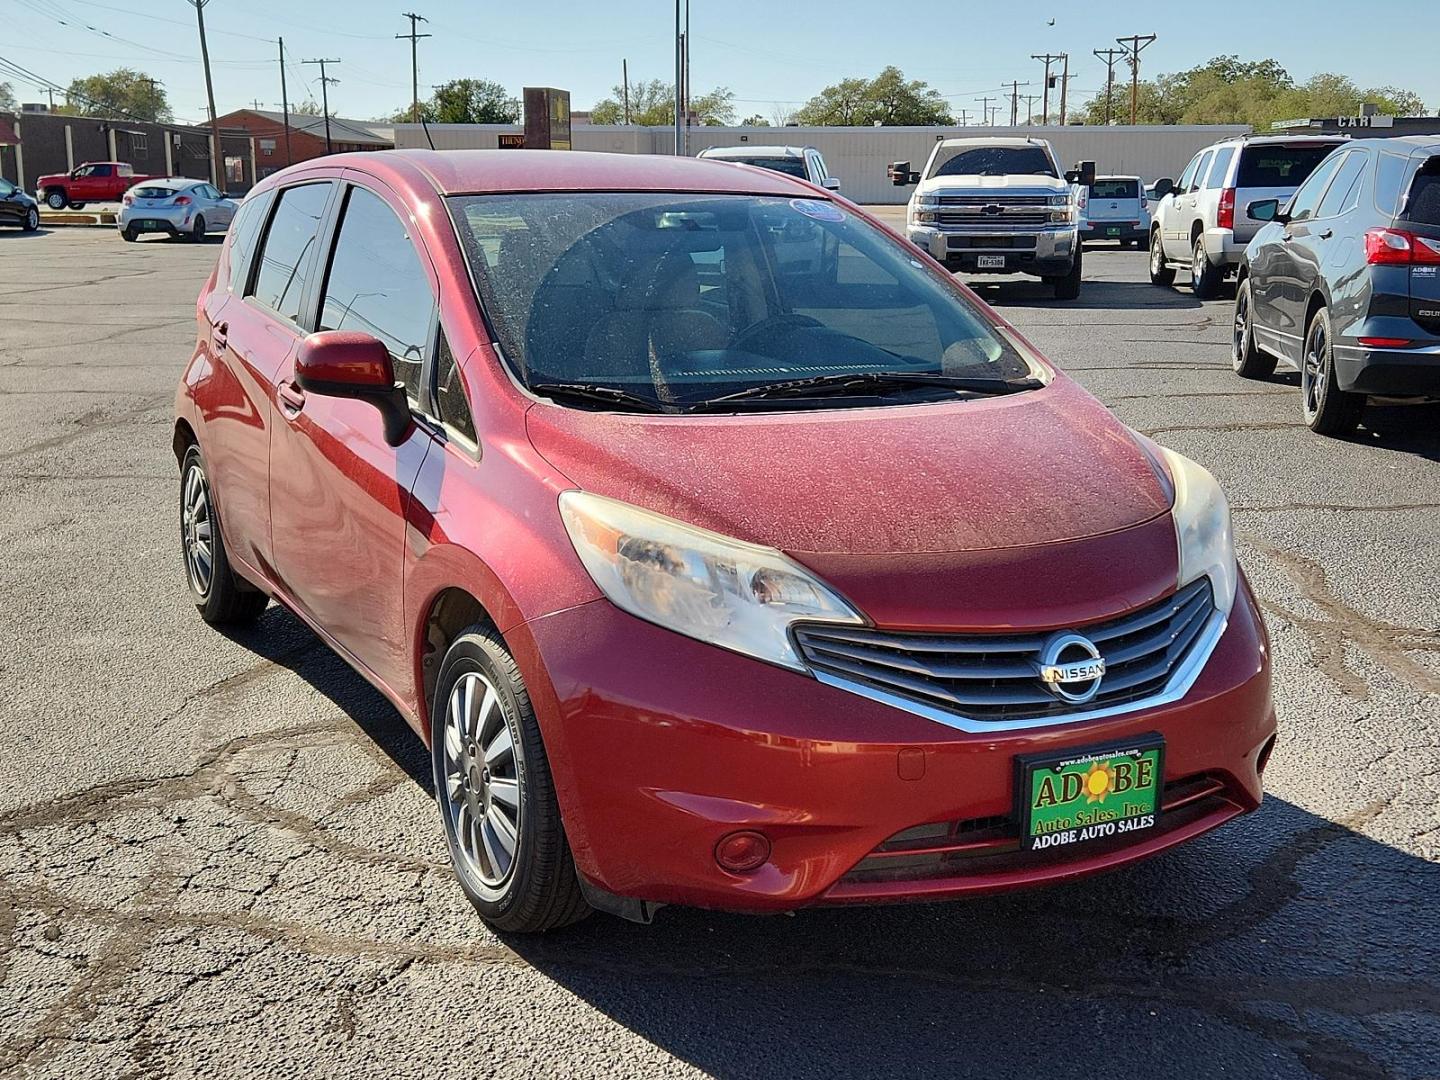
(219, 855)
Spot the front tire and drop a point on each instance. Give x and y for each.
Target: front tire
(32, 220)
(1067, 286)
(496, 794)
(1328, 409)
(57, 200)
(220, 596)
(1247, 359)
(1160, 272)
(1205, 276)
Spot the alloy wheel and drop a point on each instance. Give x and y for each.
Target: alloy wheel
(1157, 256)
(197, 530)
(1242, 327)
(482, 779)
(32, 219)
(1313, 373)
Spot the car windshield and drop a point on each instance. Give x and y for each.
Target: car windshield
(1279, 166)
(996, 161)
(673, 299)
(790, 166)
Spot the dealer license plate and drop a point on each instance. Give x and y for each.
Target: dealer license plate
(148, 226)
(1087, 795)
(990, 262)
(1113, 230)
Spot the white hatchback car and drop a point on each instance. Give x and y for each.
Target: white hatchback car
(178, 206)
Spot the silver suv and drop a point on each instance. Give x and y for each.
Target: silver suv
(1201, 223)
(802, 161)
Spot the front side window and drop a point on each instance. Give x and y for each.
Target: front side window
(450, 397)
(995, 161)
(1307, 198)
(682, 299)
(6, 187)
(1184, 182)
(288, 255)
(377, 284)
(244, 231)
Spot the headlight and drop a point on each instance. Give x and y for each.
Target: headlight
(1202, 522)
(923, 217)
(1059, 200)
(736, 595)
(1062, 216)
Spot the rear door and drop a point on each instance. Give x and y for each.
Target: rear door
(1293, 266)
(1419, 215)
(338, 491)
(1175, 212)
(1273, 171)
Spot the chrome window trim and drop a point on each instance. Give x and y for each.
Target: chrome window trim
(1181, 680)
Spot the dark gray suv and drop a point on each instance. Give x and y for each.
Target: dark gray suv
(1343, 281)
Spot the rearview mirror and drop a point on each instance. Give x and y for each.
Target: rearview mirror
(354, 364)
(901, 174)
(1163, 187)
(1264, 210)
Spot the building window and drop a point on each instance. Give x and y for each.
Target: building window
(140, 142)
(267, 146)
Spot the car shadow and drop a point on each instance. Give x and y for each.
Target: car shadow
(1094, 294)
(1409, 428)
(21, 234)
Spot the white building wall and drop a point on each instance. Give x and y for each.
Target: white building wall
(859, 156)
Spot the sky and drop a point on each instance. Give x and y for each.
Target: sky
(772, 54)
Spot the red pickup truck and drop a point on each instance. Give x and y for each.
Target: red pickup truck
(95, 181)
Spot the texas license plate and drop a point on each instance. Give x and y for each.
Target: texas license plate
(990, 262)
(1113, 230)
(1082, 796)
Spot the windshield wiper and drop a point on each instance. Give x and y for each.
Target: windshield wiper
(840, 384)
(600, 395)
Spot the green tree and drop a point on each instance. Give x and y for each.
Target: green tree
(122, 92)
(465, 101)
(308, 107)
(652, 104)
(7, 97)
(888, 99)
(755, 121)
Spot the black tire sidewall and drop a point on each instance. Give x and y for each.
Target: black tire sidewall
(197, 229)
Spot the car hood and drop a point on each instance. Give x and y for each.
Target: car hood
(1039, 467)
(942, 185)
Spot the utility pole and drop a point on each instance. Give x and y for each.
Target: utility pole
(964, 117)
(1109, 55)
(679, 75)
(685, 56)
(1048, 58)
(325, 82)
(285, 104)
(1064, 87)
(51, 91)
(1014, 102)
(1029, 100)
(414, 62)
(1134, 45)
(216, 163)
(625, 83)
(985, 117)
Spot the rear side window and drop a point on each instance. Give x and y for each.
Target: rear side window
(1220, 167)
(288, 256)
(1341, 195)
(377, 284)
(243, 233)
(1115, 189)
(1389, 175)
(1199, 173)
(1279, 166)
(1423, 204)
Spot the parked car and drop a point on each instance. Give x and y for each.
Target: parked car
(802, 161)
(18, 208)
(723, 551)
(95, 181)
(1196, 225)
(178, 206)
(1343, 283)
(1115, 210)
(998, 206)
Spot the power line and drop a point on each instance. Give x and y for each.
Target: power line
(414, 37)
(1109, 55)
(325, 82)
(1048, 58)
(1134, 45)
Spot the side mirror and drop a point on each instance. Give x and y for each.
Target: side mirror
(1264, 210)
(830, 183)
(901, 174)
(354, 364)
(1083, 173)
(1164, 187)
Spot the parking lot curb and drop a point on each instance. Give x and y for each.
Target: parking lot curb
(76, 218)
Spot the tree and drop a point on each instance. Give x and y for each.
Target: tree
(652, 104)
(755, 121)
(123, 92)
(465, 101)
(7, 97)
(308, 107)
(888, 99)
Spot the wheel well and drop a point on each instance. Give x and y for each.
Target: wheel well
(1195, 231)
(1317, 301)
(1241, 274)
(452, 611)
(183, 440)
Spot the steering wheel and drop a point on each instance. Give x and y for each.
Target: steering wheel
(768, 326)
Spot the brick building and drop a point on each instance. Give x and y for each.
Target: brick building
(307, 136)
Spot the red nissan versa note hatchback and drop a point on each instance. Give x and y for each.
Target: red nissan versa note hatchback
(725, 550)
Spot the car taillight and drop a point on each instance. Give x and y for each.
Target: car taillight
(1395, 247)
(182, 200)
(1225, 219)
(128, 199)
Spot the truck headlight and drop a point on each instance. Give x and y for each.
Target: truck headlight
(740, 596)
(1060, 200)
(1202, 524)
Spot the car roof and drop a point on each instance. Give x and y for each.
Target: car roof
(1272, 140)
(483, 172)
(1117, 176)
(993, 141)
(754, 151)
(1413, 143)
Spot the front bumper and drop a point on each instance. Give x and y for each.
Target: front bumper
(1025, 251)
(661, 745)
(1395, 372)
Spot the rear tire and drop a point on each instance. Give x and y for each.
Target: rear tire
(197, 230)
(1205, 276)
(1067, 286)
(220, 597)
(1328, 409)
(128, 235)
(495, 791)
(1247, 359)
(1160, 272)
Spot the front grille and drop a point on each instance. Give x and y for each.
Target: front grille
(996, 677)
(994, 200)
(985, 242)
(1006, 217)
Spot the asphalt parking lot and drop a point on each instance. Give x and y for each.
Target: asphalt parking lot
(219, 855)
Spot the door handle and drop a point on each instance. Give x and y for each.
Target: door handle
(292, 398)
(1327, 234)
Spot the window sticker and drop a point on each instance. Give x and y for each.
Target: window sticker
(818, 209)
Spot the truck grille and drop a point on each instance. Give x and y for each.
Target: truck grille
(980, 201)
(996, 677)
(1006, 216)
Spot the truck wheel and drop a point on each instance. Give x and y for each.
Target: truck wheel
(1160, 272)
(1328, 409)
(56, 200)
(1247, 358)
(1067, 286)
(1205, 276)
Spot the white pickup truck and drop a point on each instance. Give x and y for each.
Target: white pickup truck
(998, 206)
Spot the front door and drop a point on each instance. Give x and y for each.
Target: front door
(338, 491)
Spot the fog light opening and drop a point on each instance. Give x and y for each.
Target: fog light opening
(742, 852)
(1264, 757)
